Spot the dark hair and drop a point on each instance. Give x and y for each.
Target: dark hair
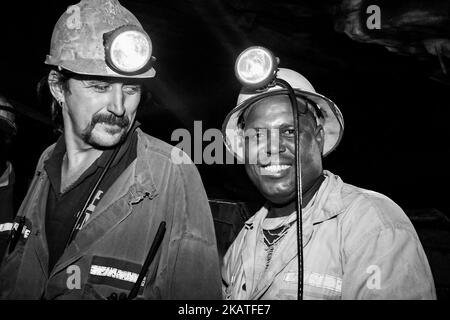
(46, 98)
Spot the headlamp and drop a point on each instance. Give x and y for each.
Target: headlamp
(256, 67)
(128, 50)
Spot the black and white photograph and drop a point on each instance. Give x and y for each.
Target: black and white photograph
(214, 153)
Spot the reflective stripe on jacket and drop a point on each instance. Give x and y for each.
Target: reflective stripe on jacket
(357, 244)
(108, 253)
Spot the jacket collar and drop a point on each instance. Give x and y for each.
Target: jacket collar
(137, 179)
(280, 257)
(328, 201)
(141, 174)
(134, 184)
(326, 204)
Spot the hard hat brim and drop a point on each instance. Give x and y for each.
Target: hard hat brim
(7, 118)
(333, 123)
(99, 68)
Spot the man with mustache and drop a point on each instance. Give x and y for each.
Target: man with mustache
(103, 192)
(357, 244)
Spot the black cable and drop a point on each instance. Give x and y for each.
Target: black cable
(82, 213)
(298, 183)
(148, 260)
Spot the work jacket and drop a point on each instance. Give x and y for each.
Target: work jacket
(7, 180)
(357, 244)
(107, 254)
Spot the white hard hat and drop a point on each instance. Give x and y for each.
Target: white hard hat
(332, 121)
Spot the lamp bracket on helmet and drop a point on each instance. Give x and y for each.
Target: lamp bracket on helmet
(128, 50)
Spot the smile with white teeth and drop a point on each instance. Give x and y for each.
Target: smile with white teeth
(274, 168)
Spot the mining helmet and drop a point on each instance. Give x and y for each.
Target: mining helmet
(102, 38)
(7, 116)
(328, 115)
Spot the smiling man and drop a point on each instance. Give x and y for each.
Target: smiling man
(101, 193)
(357, 244)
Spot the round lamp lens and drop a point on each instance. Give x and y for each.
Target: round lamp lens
(255, 67)
(130, 51)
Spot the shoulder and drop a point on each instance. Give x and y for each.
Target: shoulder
(159, 152)
(361, 203)
(156, 148)
(166, 162)
(368, 214)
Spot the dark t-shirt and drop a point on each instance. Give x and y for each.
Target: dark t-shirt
(62, 208)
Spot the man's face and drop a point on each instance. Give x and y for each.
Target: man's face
(270, 149)
(100, 112)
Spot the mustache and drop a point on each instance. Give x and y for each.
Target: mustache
(111, 119)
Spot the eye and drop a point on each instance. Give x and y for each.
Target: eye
(260, 134)
(132, 89)
(255, 134)
(288, 132)
(99, 86)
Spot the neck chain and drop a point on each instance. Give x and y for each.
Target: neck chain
(271, 237)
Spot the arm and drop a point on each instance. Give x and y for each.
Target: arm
(195, 274)
(388, 262)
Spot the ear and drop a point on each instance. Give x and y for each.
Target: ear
(320, 137)
(55, 86)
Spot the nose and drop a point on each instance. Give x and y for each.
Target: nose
(117, 100)
(275, 143)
